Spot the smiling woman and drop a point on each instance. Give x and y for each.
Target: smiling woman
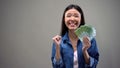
(72, 19)
(68, 50)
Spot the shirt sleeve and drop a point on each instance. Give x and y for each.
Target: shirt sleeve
(55, 63)
(94, 55)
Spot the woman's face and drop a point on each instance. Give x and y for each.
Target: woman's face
(72, 19)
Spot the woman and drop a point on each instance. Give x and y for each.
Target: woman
(68, 51)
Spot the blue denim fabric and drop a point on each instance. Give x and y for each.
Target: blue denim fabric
(67, 54)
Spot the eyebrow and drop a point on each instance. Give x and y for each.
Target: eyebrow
(74, 13)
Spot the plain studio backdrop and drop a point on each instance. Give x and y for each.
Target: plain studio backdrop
(27, 28)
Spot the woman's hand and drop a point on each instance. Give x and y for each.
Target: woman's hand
(57, 40)
(86, 43)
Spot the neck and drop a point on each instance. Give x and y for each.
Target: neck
(72, 35)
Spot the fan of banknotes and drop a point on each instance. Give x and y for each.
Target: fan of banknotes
(85, 30)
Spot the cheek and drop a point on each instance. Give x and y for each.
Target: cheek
(79, 20)
(66, 21)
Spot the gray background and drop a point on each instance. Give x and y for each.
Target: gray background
(27, 28)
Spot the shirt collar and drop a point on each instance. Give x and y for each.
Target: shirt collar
(65, 37)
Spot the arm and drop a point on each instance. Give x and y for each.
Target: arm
(56, 55)
(56, 58)
(90, 52)
(94, 54)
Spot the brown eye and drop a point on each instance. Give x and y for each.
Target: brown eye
(76, 15)
(69, 15)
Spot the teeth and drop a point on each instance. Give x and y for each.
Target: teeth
(72, 23)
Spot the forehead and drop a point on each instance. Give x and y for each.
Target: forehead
(72, 11)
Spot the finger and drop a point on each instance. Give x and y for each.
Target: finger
(86, 37)
(57, 38)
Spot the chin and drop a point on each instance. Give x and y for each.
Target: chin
(73, 29)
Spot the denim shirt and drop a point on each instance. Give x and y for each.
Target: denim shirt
(67, 54)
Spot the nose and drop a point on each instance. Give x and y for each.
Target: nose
(72, 18)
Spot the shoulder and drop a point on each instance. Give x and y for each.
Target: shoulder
(93, 44)
(93, 41)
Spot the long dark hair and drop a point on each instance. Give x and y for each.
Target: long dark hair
(64, 29)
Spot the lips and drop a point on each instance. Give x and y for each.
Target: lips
(72, 23)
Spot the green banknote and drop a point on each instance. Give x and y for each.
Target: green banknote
(85, 30)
